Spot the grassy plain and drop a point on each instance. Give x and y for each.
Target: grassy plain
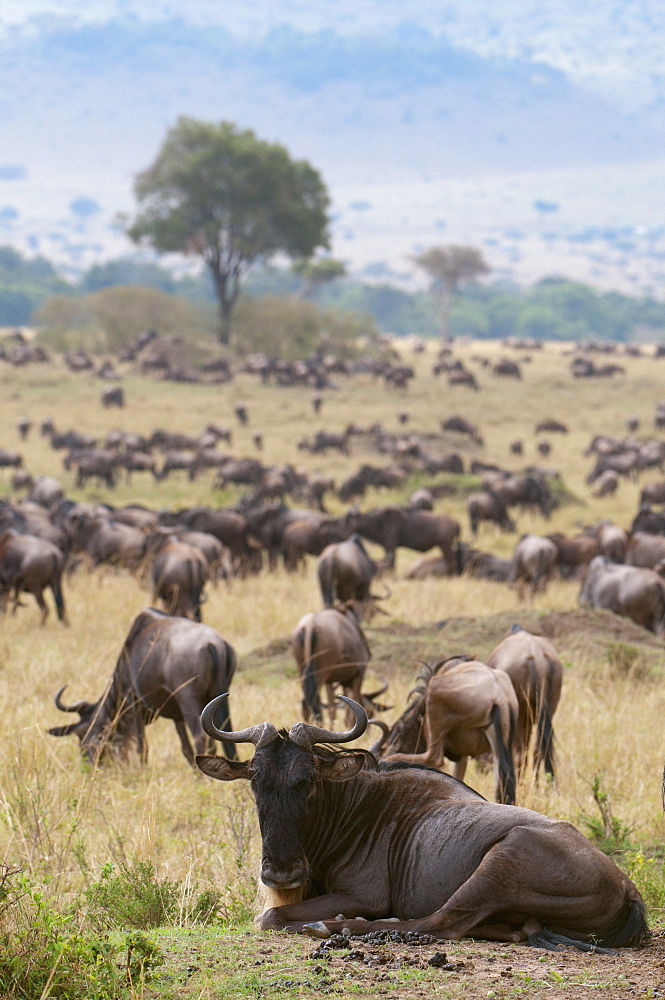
(61, 824)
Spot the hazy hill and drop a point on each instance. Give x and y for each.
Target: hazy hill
(409, 125)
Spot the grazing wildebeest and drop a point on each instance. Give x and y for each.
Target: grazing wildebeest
(345, 573)
(644, 549)
(105, 541)
(167, 667)
(29, 565)
(533, 666)
(341, 835)
(112, 395)
(10, 459)
(23, 425)
(653, 492)
(504, 368)
(46, 491)
(534, 559)
(330, 648)
(606, 484)
(462, 709)
(462, 426)
(612, 541)
(631, 591)
(393, 526)
(242, 415)
(550, 426)
(573, 553)
(488, 505)
(179, 573)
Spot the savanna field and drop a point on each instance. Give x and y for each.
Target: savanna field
(155, 866)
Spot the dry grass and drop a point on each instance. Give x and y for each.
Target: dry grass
(59, 819)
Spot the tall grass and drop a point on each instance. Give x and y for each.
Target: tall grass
(62, 822)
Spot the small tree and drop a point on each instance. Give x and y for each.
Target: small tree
(316, 273)
(232, 199)
(449, 267)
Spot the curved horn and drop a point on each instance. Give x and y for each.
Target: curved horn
(77, 707)
(260, 735)
(306, 736)
(377, 746)
(381, 690)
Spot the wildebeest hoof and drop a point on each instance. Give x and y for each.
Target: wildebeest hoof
(316, 930)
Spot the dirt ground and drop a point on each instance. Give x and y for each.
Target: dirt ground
(475, 969)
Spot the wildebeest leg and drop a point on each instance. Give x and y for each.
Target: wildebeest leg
(295, 915)
(184, 741)
(459, 770)
(43, 606)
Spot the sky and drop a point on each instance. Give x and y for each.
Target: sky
(611, 49)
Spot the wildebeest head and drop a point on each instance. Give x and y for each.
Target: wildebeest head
(95, 731)
(284, 772)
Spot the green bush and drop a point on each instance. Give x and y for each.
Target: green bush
(131, 895)
(44, 952)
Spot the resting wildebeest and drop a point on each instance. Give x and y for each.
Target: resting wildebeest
(393, 526)
(343, 835)
(631, 591)
(167, 666)
(30, 565)
(533, 666)
(330, 648)
(462, 709)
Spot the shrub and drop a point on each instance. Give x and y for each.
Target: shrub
(133, 896)
(44, 952)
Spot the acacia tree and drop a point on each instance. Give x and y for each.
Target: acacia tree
(233, 199)
(449, 267)
(316, 273)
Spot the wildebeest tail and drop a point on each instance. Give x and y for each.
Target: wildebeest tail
(630, 929)
(310, 687)
(544, 727)
(459, 557)
(56, 587)
(505, 762)
(221, 677)
(327, 585)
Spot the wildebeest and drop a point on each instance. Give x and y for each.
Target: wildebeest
(104, 540)
(631, 591)
(394, 526)
(30, 565)
(606, 484)
(462, 426)
(653, 492)
(112, 395)
(534, 559)
(330, 648)
(488, 505)
(345, 573)
(533, 666)
(179, 574)
(10, 459)
(573, 553)
(167, 667)
(644, 549)
(341, 835)
(462, 709)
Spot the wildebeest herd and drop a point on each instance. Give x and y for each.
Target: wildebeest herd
(506, 873)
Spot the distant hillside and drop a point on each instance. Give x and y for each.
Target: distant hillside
(391, 117)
